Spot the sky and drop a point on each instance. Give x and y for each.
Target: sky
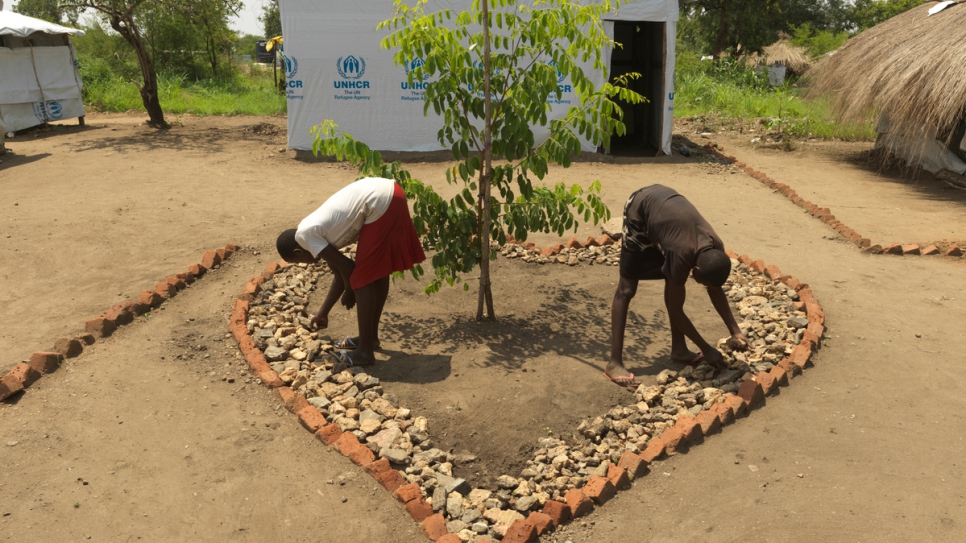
(245, 23)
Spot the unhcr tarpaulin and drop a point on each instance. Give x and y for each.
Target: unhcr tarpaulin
(336, 70)
(39, 83)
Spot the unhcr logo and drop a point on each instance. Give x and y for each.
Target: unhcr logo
(291, 67)
(351, 68)
(419, 83)
(52, 111)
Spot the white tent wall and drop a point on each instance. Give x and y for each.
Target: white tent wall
(40, 81)
(336, 70)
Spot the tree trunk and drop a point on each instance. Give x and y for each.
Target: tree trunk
(486, 179)
(149, 90)
(722, 29)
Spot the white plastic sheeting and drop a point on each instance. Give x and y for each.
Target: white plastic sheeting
(29, 97)
(15, 24)
(336, 70)
(918, 145)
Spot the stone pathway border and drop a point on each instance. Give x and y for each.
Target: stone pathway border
(599, 489)
(28, 372)
(825, 215)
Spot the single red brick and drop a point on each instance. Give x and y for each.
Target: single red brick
(85, 339)
(618, 477)
(449, 538)
(547, 251)
(408, 493)
(555, 250)
(731, 254)
(120, 314)
(558, 512)
(269, 378)
(100, 327)
(709, 421)
(68, 347)
(210, 259)
(197, 270)
(954, 250)
(591, 242)
(690, 428)
(294, 401)
(377, 467)
(790, 367)
(932, 250)
(572, 243)
(751, 392)
(767, 382)
(329, 434)
(510, 238)
(419, 509)
(165, 290)
(272, 267)
(530, 245)
(911, 249)
(874, 249)
(346, 443)
(864, 243)
(221, 254)
(758, 266)
(176, 282)
(311, 419)
(25, 374)
(17, 379)
(521, 531)
(186, 277)
(391, 480)
(150, 298)
(653, 451)
(773, 272)
(578, 502)
(231, 249)
(541, 521)
(800, 305)
(780, 375)
(800, 355)
(45, 362)
(634, 465)
(434, 526)
(737, 405)
(724, 412)
(599, 489)
(892, 249)
(606, 240)
(815, 313)
(362, 456)
(745, 259)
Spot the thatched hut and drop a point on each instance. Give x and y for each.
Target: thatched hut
(780, 59)
(907, 72)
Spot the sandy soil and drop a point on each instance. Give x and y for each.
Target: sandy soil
(155, 434)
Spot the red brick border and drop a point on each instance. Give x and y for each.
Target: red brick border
(825, 215)
(41, 362)
(598, 490)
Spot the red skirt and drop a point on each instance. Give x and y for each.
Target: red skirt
(388, 245)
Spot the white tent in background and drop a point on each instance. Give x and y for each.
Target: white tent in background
(39, 81)
(336, 70)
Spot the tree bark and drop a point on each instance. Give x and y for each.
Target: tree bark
(486, 179)
(722, 29)
(124, 25)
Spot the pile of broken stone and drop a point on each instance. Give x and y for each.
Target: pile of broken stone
(358, 403)
(605, 255)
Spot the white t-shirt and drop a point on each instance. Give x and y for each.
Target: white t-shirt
(339, 220)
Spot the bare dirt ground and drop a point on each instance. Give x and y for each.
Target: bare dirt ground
(157, 433)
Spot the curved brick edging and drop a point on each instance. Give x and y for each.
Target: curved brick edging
(26, 373)
(598, 489)
(825, 215)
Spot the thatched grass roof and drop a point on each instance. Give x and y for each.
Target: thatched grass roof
(912, 66)
(788, 55)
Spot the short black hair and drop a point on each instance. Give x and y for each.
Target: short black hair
(286, 245)
(715, 266)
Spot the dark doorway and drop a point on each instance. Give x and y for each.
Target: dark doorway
(642, 51)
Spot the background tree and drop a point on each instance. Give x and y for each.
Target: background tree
(492, 72)
(271, 19)
(868, 13)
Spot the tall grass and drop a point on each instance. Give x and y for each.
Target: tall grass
(240, 95)
(733, 94)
